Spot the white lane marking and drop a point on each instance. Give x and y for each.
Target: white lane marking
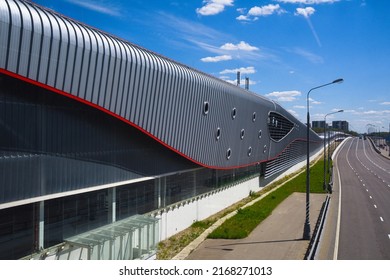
(370, 197)
(381, 219)
(375, 206)
(336, 245)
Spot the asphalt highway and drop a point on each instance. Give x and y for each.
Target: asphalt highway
(364, 225)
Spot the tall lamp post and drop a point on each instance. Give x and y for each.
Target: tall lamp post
(339, 111)
(306, 228)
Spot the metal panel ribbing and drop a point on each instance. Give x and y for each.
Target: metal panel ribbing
(77, 61)
(117, 79)
(176, 126)
(146, 91)
(85, 74)
(154, 93)
(121, 87)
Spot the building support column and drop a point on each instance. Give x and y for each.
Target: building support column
(157, 188)
(111, 201)
(41, 232)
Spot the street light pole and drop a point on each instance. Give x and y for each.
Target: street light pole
(339, 111)
(306, 228)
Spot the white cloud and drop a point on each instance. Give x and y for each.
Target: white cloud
(241, 10)
(385, 103)
(284, 96)
(242, 70)
(305, 12)
(243, 46)
(315, 102)
(216, 58)
(255, 12)
(265, 10)
(299, 107)
(101, 7)
(214, 7)
(308, 2)
(313, 58)
(373, 112)
(243, 18)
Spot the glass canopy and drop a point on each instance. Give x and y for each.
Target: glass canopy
(133, 238)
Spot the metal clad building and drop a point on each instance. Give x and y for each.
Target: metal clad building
(82, 111)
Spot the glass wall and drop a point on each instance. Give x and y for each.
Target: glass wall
(70, 216)
(138, 198)
(18, 232)
(51, 144)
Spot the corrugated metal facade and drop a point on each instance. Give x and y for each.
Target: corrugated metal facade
(209, 121)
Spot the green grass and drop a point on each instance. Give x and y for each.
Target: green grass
(246, 219)
(242, 224)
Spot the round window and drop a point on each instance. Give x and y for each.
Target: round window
(218, 134)
(242, 133)
(234, 113)
(228, 153)
(206, 107)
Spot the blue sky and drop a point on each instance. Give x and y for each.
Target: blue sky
(285, 47)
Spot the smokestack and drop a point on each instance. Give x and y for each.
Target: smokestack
(246, 83)
(238, 78)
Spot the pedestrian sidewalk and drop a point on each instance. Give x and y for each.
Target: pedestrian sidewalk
(278, 237)
(385, 151)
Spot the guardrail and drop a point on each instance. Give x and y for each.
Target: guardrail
(311, 251)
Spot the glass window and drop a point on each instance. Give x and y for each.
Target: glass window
(228, 153)
(218, 134)
(234, 113)
(206, 107)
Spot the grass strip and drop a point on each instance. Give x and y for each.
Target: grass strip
(247, 219)
(168, 248)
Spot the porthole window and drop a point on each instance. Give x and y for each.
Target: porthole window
(242, 134)
(228, 153)
(249, 151)
(254, 117)
(206, 107)
(218, 133)
(234, 113)
(265, 149)
(260, 132)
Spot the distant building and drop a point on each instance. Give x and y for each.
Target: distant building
(318, 124)
(341, 125)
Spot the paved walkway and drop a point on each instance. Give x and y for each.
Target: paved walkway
(279, 237)
(385, 151)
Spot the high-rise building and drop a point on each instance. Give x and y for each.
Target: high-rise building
(340, 125)
(319, 124)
